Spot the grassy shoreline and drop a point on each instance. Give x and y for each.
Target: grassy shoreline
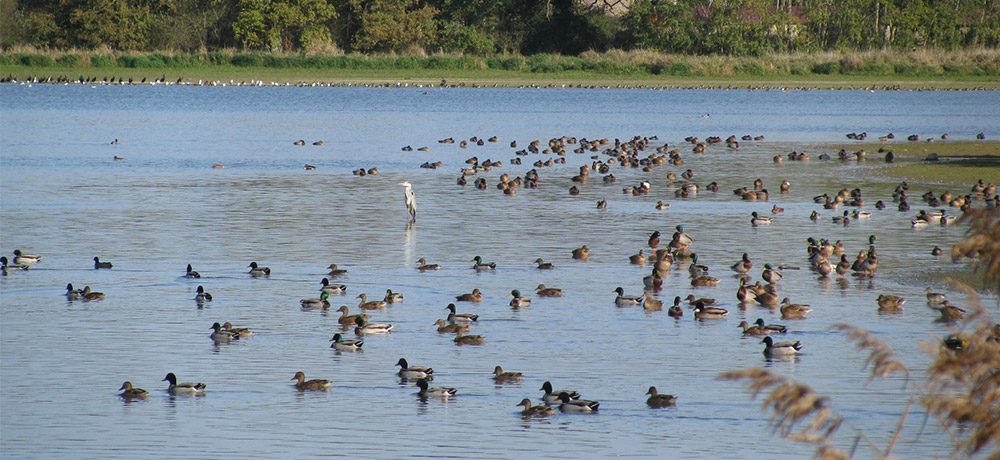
(959, 162)
(862, 70)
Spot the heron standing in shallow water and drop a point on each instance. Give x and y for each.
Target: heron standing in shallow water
(411, 200)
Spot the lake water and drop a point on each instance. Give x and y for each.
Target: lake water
(164, 206)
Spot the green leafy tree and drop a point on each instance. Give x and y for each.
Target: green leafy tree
(391, 25)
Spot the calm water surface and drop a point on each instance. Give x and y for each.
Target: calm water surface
(164, 206)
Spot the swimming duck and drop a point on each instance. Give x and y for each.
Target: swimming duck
(340, 344)
(703, 312)
(474, 296)
(89, 295)
(934, 298)
(313, 304)
(130, 392)
(453, 328)
(9, 266)
(843, 266)
(844, 219)
(480, 266)
(890, 302)
(331, 288)
(310, 385)
(220, 335)
(576, 406)
(705, 281)
(680, 239)
(437, 392)
(407, 372)
(240, 331)
(581, 253)
(651, 304)
(543, 291)
(771, 328)
(542, 265)
(653, 280)
(392, 297)
(654, 239)
(637, 259)
(664, 260)
(768, 298)
(793, 310)
(756, 220)
(948, 311)
(346, 319)
(191, 273)
(518, 301)
(462, 339)
(25, 259)
(183, 389)
(661, 205)
(623, 300)
(334, 271)
(657, 400)
(499, 376)
(365, 328)
(675, 311)
(99, 265)
(868, 265)
(202, 296)
(744, 265)
(814, 216)
(780, 348)
(601, 204)
(373, 305)
(696, 269)
(535, 411)
(552, 397)
(454, 317)
(861, 214)
(422, 265)
(753, 330)
(256, 271)
(73, 294)
(770, 274)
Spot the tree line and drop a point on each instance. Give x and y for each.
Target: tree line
(569, 27)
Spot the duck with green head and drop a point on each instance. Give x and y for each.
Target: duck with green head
(518, 301)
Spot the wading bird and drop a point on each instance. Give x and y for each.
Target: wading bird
(411, 200)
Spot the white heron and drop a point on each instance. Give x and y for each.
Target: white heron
(411, 200)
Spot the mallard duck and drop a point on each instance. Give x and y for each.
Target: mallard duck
(937, 251)
(680, 239)
(868, 265)
(99, 265)
(843, 266)
(392, 297)
(365, 328)
(623, 300)
(331, 289)
(753, 330)
(464, 318)
(25, 259)
(240, 331)
(637, 259)
(704, 281)
(744, 294)
(814, 216)
(703, 312)
(340, 344)
(664, 259)
(423, 266)
(9, 266)
(256, 271)
(771, 328)
(552, 397)
(499, 376)
(793, 310)
(316, 304)
(948, 311)
(89, 295)
(536, 411)
(676, 311)
(518, 301)
(475, 296)
(453, 328)
(480, 266)
(780, 348)
(462, 339)
(183, 389)
(706, 301)
(373, 305)
(407, 372)
(581, 253)
(657, 400)
(770, 274)
(543, 291)
(696, 269)
(543, 265)
(653, 280)
(654, 239)
(437, 392)
(310, 385)
(346, 319)
(335, 272)
(756, 220)
(220, 335)
(935, 298)
(202, 296)
(768, 298)
(576, 406)
(888, 302)
(744, 265)
(661, 205)
(130, 392)
(651, 304)
(191, 273)
(73, 294)
(861, 214)
(844, 219)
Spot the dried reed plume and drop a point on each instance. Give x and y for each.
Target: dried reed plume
(880, 355)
